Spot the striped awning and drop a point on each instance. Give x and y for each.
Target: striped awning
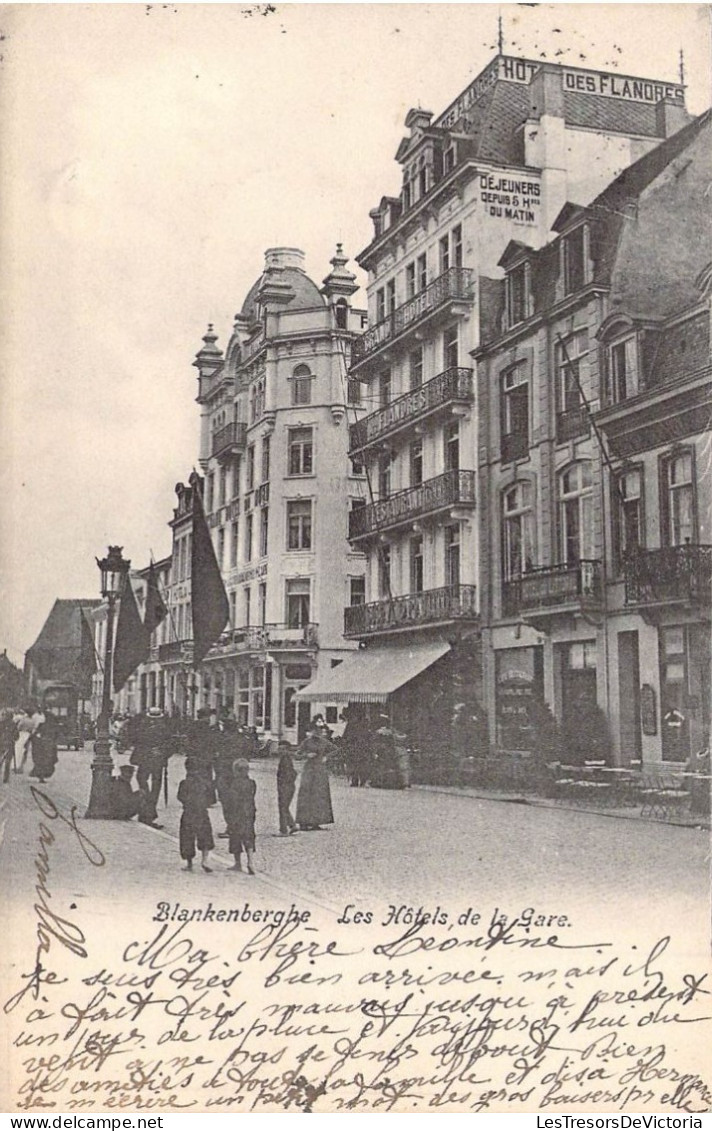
(371, 675)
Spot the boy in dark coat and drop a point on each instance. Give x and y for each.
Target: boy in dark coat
(286, 781)
(241, 813)
(195, 828)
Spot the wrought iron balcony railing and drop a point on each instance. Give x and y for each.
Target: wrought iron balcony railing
(176, 651)
(673, 573)
(454, 385)
(229, 440)
(451, 602)
(453, 488)
(260, 638)
(455, 283)
(546, 587)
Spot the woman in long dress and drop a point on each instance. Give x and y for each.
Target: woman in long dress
(314, 796)
(44, 748)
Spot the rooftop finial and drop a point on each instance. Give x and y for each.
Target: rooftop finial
(500, 34)
(682, 67)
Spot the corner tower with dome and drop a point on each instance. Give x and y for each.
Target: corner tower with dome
(276, 407)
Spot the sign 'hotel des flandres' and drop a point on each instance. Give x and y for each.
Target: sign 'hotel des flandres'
(574, 80)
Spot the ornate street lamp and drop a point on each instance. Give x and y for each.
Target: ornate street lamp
(114, 571)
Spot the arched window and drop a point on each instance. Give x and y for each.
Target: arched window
(302, 385)
(576, 512)
(517, 531)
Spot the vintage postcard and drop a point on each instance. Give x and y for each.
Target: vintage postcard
(356, 564)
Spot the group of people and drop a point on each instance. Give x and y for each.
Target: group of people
(28, 733)
(375, 753)
(217, 753)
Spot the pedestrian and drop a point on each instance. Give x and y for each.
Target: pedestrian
(286, 783)
(314, 796)
(8, 738)
(24, 724)
(241, 814)
(195, 828)
(125, 802)
(44, 747)
(355, 741)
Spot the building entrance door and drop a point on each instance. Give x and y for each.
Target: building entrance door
(629, 698)
(578, 690)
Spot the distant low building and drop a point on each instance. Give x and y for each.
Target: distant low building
(12, 683)
(64, 650)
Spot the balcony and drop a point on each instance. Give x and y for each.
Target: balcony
(454, 285)
(432, 606)
(263, 638)
(454, 386)
(176, 652)
(554, 589)
(454, 488)
(673, 574)
(229, 441)
(572, 424)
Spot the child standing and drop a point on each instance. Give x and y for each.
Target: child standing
(195, 828)
(286, 780)
(240, 814)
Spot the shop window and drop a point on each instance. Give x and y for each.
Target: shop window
(514, 416)
(298, 602)
(301, 451)
(576, 512)
(517, 531)
(299, 524)
(582, 655)
(678, 512)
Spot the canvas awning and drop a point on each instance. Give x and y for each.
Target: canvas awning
(372, 675)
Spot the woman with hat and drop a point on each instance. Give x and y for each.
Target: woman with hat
(314, 796)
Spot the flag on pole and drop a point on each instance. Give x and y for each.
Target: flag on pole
(211, 608)
(156, 610)
(132, 641)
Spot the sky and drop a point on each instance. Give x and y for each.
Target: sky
(150, 155)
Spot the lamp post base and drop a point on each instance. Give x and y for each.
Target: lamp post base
(101, 802)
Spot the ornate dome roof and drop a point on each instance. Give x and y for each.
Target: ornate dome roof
(285, 266)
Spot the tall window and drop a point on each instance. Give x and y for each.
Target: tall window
(341, 310)
(246, 609)
(264, 531)
(262, 601)
(628, 508)
(452, 554)
(416, 565)
(233, 608)
(574, 259)
(452, 446)
(416, 463)
(517, 531)
(391, 295)
(222, 486)
(380, 304)
(410, 280)
(517, 291)
(220, 549)
(415, 367)
(209, 492)
(576, 512)
(421, 271)
(357, 590)
(353, 391)
(384, 569)
(302, 385)
(384, 387)
(679, 501)
(301, 451)
(234, 539)
(249, 528)
(265, 459)
(250, 467)
(451, 347)
(572, 419)
(623, 369)
(260, 399)
(456, 248)
(298, 591)
(514, 418)
(299, 524)
(385, 465)
(444, 254)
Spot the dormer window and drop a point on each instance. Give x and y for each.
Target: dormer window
(518, 294)
(449, 158)
(574, 253)
(623, 368)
